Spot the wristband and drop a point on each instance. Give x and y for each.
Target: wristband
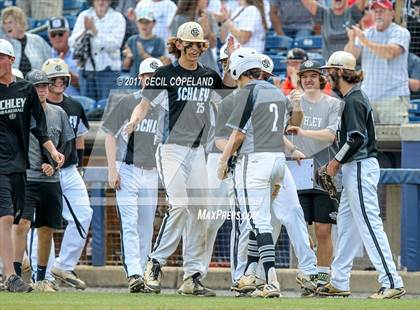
(80, 153)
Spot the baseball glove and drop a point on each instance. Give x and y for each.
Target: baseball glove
(326, 182)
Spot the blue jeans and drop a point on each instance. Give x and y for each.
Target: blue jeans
(97, 84)
(297, 33)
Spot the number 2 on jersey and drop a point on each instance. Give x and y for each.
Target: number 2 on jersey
(273, 108)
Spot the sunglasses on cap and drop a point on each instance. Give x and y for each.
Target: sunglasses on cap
(55, 34)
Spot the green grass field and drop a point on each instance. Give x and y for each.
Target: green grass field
(123, 301)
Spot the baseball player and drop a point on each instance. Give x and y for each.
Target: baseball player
(188, 87)
(316, 139)
(132, 173)
(20, 113)
(76, 205)
(257, 122)
(358, 218)
(43, 190)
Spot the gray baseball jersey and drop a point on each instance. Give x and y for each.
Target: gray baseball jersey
(59, 131)
(138, 148)
(259, 113)
(322, 114)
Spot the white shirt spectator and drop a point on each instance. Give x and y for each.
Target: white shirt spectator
(250, 20)
(382, 77)
(107, 42)
(164, 12)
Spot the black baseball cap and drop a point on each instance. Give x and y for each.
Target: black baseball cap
(310, 65)
(297, 54)
(56, 24)
(36, 77)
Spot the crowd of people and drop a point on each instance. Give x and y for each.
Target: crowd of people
(213, 128)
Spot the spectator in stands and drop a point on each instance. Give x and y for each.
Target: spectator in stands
(164, 11)
(58, 33)
(188, 11)
(41, 9)
(414, 75)
(334, 22)
(106, 28)
(32, 49)
(384, 54)
(247, 24)
(290, 18)
(143, 45)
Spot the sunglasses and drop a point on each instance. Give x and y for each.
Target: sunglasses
(55, 34)
(190, 45)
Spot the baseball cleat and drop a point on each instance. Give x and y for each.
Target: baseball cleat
(271, 290)
(307, 283)
(388, 293)
(322, 279)
(44, 286)
(135, 284)
(245, 284)
(68, 277)
(15, 284)
(329, 290)
(193, 286)
(152, 276)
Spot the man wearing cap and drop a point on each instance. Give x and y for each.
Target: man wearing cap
(384, 55)
(43, 201)
(316, 139)
(185, 89)
(358, 217)
(143, 45)
(58, 33)
(132, 173)
(19, 108)
(294, 59)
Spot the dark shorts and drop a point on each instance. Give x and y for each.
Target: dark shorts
(318, 207)
(44, 201)
(12, 194)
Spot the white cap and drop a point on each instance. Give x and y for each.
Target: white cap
(17, 73)
(6, 48)
(243, 59)
(223, 54)
(149, 65)
(191, 32)
(341, 60)
(267, 64)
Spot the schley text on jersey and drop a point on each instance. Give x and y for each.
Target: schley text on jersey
(12, 105)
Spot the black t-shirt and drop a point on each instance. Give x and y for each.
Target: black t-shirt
(78, 122)
(139, 148)
(188, 97)
(357, 117)
(20, 111)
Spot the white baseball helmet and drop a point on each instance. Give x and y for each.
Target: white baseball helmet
(243, 59)
(223, 53)
(149, 65)
(6, 48)
(56, 67)
(341, 60)
(267, 64)
(191, 32)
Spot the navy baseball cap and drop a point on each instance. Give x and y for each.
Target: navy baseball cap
(310, 65)
(297, 54)
(56, 24)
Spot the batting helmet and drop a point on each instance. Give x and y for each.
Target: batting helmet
(341, 60)
(149, 65)
(267, 64)
(243, 59)
(56, 67)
